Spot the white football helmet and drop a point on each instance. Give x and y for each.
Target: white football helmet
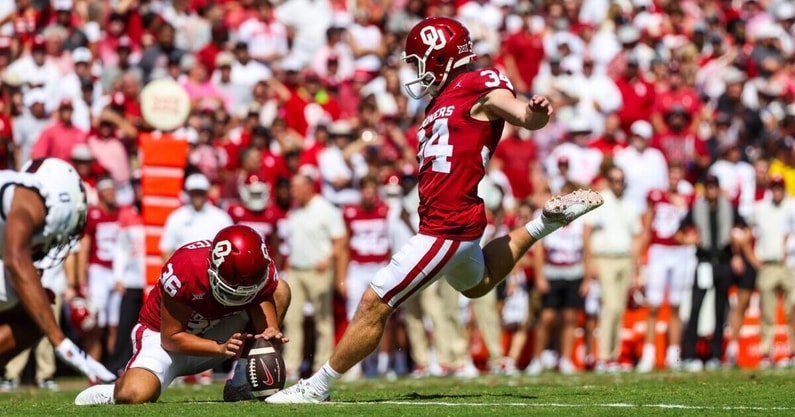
(65, 199)
(254, 192)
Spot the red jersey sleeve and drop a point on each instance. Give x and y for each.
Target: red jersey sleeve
(485, 80)
(179, 276)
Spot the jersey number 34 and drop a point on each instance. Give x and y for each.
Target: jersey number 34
(437, 147)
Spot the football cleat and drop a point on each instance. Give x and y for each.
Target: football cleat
(96, 395)
(566, 208)
(301, 393)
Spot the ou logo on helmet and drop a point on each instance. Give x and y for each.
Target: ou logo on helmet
(433, 37)
(220, 251)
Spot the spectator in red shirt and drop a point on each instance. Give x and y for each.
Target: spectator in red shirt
(675, 93)
(219, 38)
(6, 141)
(517, 157)
(637, 94)
(681, 146)
(309, 104)
(523, 52)
(60, 137)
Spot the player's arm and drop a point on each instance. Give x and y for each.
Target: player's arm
(266, 320)
(82, 263)
(174, 336)
(646, 223)
(343, 259)
(25, 217)
(501, 103)
(70, 269)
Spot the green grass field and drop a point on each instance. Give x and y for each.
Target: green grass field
(722, 393)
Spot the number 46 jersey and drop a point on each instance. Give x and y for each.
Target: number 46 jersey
(184, 277)
(453, 152)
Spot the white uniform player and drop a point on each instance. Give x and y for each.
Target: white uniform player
(42, 216)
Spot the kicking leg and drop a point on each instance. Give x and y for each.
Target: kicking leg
(501, 254)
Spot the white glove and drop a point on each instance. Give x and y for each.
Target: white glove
(68, 352)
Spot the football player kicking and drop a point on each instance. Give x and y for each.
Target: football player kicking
(42, 216)
(196, 317)
(461, 130)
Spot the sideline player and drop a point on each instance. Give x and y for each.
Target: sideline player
(196, 317)
(42, 216)
(461, 130)
(671, 265)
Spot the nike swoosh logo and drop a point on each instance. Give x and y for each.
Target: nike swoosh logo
(269, 380)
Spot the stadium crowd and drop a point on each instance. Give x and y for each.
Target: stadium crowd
(679, 112)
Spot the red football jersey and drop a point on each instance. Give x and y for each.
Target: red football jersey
(263, 222)
(369, 233)
(668, 214)
(185, 278)
(102, 227)
(454, 149)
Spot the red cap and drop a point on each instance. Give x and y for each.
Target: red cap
(777, 180)
(361, 76)
(66, 102)
(38, 41)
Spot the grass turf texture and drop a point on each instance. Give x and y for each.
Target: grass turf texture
(721, 393)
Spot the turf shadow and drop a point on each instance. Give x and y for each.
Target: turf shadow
(415, 396)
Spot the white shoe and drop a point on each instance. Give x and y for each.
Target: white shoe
(549, 359)
(732, 351)
(300, 393)
(565, 367)
(96, 395)
(693, 365)
(565, 208)
(645, 365)
(712, 364)
(467, 371)
(507, 366)
(8, 385)
(535, 368)
(673, 358)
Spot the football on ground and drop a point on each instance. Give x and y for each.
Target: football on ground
(265, 369)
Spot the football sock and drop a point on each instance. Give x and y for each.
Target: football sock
(239, 374)
(323, 378)
(541, 226)
(649, 351)
(383, 363)
(673, 353)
